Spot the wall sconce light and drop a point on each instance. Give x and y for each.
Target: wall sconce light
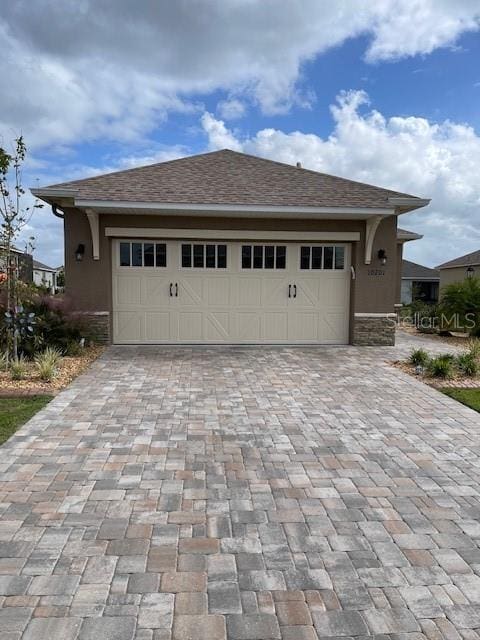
(382, 256)
(470, 272)
(80, 252)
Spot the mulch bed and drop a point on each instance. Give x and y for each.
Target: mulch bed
(456, 382)
(69, 368)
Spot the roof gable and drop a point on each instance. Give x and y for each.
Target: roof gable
(470, 259)
(230, 178)
(412, 271)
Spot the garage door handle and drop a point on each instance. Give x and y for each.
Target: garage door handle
(294, 290)
(171, 285)
(176, 289)
(289, 290)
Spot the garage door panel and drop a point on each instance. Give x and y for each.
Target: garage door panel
(336, 291)
(191, 290)
(275, 292)
(157, 326)
(333, 328)
(157, 290)
(128, 326)
(249, 326)
(129, 289)
(304, 327)
(275, 327)
(218, 327)
(250, 292)
(218, 292)
(190, 326)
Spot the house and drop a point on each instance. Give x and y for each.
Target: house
(225, 247)
(460, 268)
(44, 276)
(21, 260)
(419, 283)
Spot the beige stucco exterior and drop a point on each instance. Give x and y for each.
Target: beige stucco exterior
(454, 274)
(89, 283)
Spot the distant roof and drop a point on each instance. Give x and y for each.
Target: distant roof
(42, 267)
(470, 259)
(414, 271)
(229, 178)
(403, 234)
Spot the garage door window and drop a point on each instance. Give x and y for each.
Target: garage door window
(264, 256)
(322, 257)
(143, 254)
(204, 256)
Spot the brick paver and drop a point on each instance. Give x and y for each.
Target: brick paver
(249, 494)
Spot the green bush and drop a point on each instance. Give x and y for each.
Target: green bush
(442, 366)
(467, 364)
(47, 362)
(461, 303)
(474, 348)
(419, 357)
(46, 370)
(18, 368)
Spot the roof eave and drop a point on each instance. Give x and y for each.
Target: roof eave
(404, 204)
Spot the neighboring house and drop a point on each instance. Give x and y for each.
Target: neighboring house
(460, 268)
(23, 262)
(44, 276)
(225, 247)
(419, 283)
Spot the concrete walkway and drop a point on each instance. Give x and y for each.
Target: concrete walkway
(249, 494)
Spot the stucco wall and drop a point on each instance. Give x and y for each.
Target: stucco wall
(89, 283)
(456, 274)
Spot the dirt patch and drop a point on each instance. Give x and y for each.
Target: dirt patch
(68, 369)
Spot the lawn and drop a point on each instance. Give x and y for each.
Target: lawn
(470, 397)
(16, 411)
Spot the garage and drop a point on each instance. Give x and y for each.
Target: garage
(190, 291)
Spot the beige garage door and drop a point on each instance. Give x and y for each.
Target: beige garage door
(200, 292)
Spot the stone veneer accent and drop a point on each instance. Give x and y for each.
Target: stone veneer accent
(371, 330)
(98, 323)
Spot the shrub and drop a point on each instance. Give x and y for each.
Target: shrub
(467, 364)
(18, 368)
(47, 362)
(461, 301)
(419, 357)
(442, 366)
(46, 370)
(474, 348)
(51, 354)
(73, 349)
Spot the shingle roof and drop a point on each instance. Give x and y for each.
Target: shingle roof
(230, 178)
(470, 259)
(41, 266)
(413, 271)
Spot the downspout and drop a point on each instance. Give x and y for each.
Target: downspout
(56, 212)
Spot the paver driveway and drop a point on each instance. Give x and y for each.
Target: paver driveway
(242, 494)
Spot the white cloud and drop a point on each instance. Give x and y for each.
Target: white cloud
(231, 109)
(96, 68)
(407, 154)
(219, 137)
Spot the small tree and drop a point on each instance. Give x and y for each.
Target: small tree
(461, 300)
(13, 217)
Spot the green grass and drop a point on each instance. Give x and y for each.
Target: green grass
(16, 411)
(470, 397)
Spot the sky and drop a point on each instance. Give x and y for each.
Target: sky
(381, 91)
